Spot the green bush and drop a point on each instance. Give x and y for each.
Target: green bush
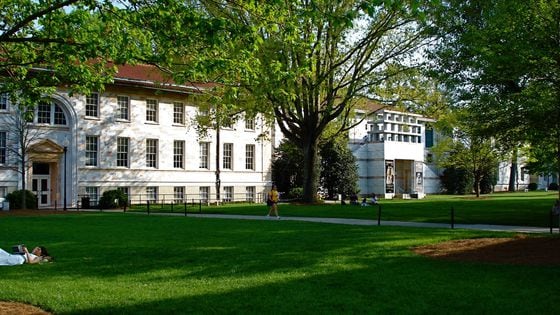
(295, 193)
(113, 199)
(553, 186)
(16, 200)
(533, 186)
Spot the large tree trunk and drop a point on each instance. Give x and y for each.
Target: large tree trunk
(310, 169)
(513, 171)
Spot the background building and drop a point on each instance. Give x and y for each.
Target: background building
(138, 136)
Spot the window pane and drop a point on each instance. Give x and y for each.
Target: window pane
(178, 153)
(179, 194)
(3, 148)
(250, 123)
(228, 193)
(203, 155)
(151, 110)
(228, 156)
(250, 156)
(204, 193)
(91, 150)
(178, 113)
(123, 107)
(92, 105)
(44, 113)
(3, 101)
(122, 152)
(59, 117)
(151, 152)
(151, 193)
(250, 193)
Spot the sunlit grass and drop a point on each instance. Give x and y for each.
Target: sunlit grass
(129, 264)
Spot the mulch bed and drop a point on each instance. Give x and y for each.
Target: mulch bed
(14, 308)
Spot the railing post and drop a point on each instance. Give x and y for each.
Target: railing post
(200, 205)
(551, 221)
(452, 217)
(378, 214)
(148, 206)
(185, 204)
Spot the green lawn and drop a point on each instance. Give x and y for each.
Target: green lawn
(525, 209)
(129, 264)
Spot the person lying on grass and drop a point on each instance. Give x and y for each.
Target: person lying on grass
(38, 255)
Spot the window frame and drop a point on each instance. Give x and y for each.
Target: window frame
(152, 149)
(123, 115)
(179, 157)
(123, 155)
(179, 117)
(204, 155)
(227, 158)
(3, 147)
(250, 157)
(92, 105)
(152, 110)
(89, 151)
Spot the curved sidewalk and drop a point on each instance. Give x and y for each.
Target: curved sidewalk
(484, 227)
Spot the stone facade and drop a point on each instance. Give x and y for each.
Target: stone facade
(140, 138)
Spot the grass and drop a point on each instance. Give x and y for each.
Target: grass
(521, 208)
(128, 264)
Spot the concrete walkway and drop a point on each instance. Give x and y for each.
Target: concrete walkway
(484, 227)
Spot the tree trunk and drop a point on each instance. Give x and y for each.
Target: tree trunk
(218, 180)
(513, 171)
(23, 184)
(310, 169)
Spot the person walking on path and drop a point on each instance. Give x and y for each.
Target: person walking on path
(272, 202)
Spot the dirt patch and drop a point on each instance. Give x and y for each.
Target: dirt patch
(519, 250)
(14, 308)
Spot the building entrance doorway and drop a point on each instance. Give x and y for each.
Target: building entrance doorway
(41, 183)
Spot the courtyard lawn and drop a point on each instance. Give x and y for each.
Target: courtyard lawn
(520, 208)
(135, 264)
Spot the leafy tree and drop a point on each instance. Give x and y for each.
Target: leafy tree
(306, 62)
(286, 167)
(339, 172)
(502, 61)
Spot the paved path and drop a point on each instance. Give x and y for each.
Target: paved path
(485, 227)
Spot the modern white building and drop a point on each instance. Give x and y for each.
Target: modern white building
(392, 151)
(138, 136)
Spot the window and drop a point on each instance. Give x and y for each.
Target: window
(3, 191)
(93, 194)
(228, 156)
(250, 156)
(123, 104)
(204, 157)
(429, 138)
(151, 110)
(228, 194)
(178, 113)
(92, 105)
(250, 193)
(4, 101)
(91, 150)
(122, 152)
(250, 123)
(179, 194)
(151, 152)
(204, 193)
(178, 154)
(151, 194)
(49, 113)
(3, 147)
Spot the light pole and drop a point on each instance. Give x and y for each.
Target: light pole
(65, 151)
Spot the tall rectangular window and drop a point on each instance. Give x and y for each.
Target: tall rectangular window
(249, 123)
(151, 110)
(44, 113)
(179, 194)
(92, 150)
(93, 194)
(228, 156)
(123, 104)
(151, 194)
(204, 193)
(92, 105)
(204, 155)
(178, 113)
(3, 101)
(151, 153)
(250, 156)
(250, 193)
(3, 147)
(178, 154)
(429, 137)
(122, 152)
(228, 194)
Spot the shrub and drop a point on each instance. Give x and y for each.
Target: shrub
(533, 186)
(15, 199)
(553, 186)
(295, 193)
(113, 199)
(456, 181)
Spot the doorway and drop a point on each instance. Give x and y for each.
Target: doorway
(41, 184)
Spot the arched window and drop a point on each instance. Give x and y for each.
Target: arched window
(50, 113)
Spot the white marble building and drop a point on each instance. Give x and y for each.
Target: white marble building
(393, 155)
(137, 136)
